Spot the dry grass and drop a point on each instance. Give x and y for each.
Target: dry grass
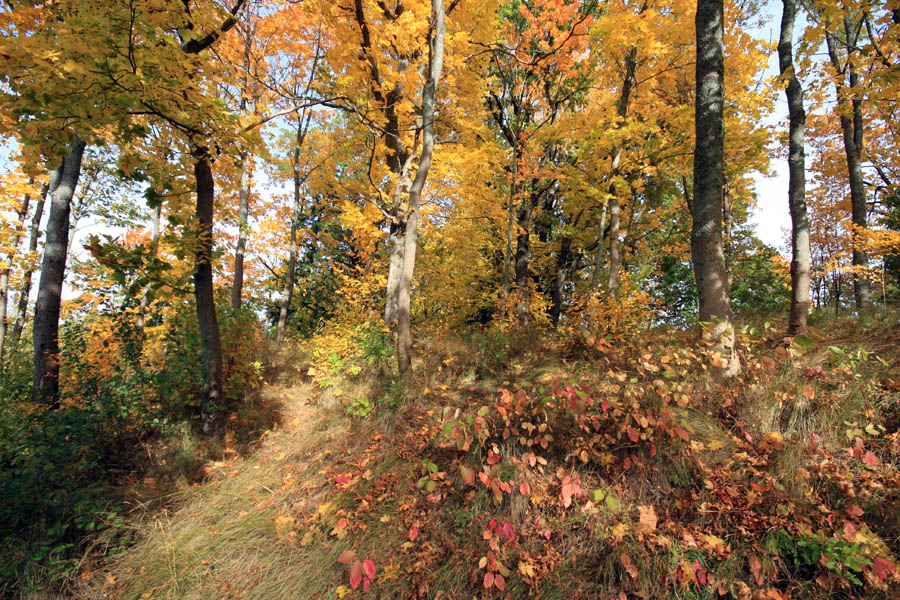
(264, 524)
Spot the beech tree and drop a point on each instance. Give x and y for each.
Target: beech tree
(800, 269)
(706, 209)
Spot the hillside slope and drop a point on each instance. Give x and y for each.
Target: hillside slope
(542, 466)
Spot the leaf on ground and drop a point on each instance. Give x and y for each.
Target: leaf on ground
(647, 522)
(629, 566)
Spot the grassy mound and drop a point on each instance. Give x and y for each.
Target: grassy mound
(554, 467)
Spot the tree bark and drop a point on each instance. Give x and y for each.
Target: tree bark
(435, 66)
(287, 293)
(523, 257)
(563, 265)
(852, 132)
(212, 394)
(243, 201)
(706, 233)
(615, 260)
(513, 196)
(598, 259)
(63, 181)
(4, 276)
(25, 291)
(154, 246)
(800, 270)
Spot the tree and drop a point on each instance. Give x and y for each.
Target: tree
(842, 52)
(800, 269)
(63, 181)
(706, 208)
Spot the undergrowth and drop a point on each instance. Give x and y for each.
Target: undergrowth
(553, 466)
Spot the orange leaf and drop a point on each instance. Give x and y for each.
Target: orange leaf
(488, 580)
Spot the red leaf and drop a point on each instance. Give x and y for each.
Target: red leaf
(366, 584)
(492, 459)
(488, 580)
(508, 530)
(870, 459)
(369, 568)
(413, 533)
(882, 568)
(500, 582)
(355, 574)
(633, 434)
(347, 557)
(853, 510)
(524, 489)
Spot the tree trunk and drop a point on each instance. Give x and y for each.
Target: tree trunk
(243, 200)
(25, 291)
(523, 256)
(4, 276)
(852, 131)
(513, 195)
(63, 181)
(800, 298)
(615, 260)
(435, 66)
(212, 395)
(397, 246)
(154, 246)
(288, 291)
(706, 233)
(598, 259)
(563, 264)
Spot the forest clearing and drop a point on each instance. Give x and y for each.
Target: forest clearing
(449, 299)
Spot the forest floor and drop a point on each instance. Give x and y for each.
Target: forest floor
(545, 466)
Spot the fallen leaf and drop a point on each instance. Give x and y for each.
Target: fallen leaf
(629, 566)
(647, 521)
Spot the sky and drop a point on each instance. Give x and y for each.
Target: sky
(771, 218)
